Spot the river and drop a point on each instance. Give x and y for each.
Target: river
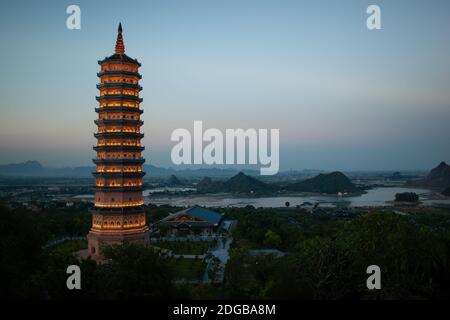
(376, 197)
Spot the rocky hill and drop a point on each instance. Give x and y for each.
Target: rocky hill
(240, 183)
(173, 181)
(438, 178)
(331, 183)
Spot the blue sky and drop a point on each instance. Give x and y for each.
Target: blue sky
(343, 97)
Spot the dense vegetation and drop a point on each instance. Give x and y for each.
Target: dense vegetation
(326, 256)
(330, 262)
(406, 197)
(446, 192)
(187, 247)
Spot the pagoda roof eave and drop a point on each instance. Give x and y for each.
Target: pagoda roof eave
(119, 58)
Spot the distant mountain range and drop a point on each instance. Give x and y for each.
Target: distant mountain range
(35, 169)
(240, 181)
(438, 178)
(331, 183)
(31, 169)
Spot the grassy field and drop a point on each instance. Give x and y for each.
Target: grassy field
(187, 269)
(187, 247)
(69, 246)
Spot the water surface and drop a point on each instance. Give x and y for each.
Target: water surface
(376, 197)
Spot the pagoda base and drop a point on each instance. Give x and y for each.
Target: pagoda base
(98, 240)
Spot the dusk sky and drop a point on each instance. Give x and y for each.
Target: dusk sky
(343, 97)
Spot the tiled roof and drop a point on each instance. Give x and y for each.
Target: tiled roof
(201, 213)
(120, 58)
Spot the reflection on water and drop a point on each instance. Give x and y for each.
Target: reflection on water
(373, 198)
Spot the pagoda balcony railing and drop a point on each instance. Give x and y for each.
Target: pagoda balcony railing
(118, 230)
(106, 85)
(139, 174)
(119, 97)
(119, 210)
(123, 134)
(119, 148)
(120, 188)
(118, 160)
(122, 121)
(119, 72)
(118, 108)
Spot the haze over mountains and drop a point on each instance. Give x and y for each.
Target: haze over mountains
(243, 180)
(30, 169)
(238, 182)
(35, 169)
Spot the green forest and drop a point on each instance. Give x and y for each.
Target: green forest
(325, 257)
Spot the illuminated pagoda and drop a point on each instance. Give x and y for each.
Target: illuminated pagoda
(118, 215)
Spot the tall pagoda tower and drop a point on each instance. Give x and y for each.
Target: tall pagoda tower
(118, 215)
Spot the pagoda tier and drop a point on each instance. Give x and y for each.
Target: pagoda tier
(115, 188)
(118, 108)
(112, 161)
(118, 148)
(120, 73)
(118, 211)
(119, 85)
(119, 134)
(118, 214)
(118, 97)
(119, 174)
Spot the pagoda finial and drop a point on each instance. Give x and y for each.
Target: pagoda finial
(120, 47)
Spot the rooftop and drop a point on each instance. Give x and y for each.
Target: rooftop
(199, 213)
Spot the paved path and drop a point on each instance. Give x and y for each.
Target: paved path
(221, 252)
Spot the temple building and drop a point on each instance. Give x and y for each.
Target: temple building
(196, 220)
(118, 214)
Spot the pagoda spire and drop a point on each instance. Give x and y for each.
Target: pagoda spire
(120, 47)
